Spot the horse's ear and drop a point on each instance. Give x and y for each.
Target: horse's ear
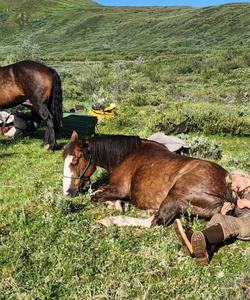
(74, 136)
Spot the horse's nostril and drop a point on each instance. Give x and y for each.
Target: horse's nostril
(72, 192)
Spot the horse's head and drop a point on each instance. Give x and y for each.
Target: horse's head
(78, 166)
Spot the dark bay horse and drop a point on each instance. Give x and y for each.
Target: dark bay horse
(146, 173)
(41, 85)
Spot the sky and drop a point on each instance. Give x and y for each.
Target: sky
(194, 3)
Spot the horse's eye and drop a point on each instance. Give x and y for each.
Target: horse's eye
(74, 161)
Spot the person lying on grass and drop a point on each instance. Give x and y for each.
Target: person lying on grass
(222, 226)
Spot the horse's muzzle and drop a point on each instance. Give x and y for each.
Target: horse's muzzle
(72, 192)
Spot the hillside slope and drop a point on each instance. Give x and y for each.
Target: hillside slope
(72, 26)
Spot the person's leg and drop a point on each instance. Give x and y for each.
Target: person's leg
(220, 228)
(232, 226)
(200, 241)
(197, 242)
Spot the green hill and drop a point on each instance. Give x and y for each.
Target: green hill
(72, 27)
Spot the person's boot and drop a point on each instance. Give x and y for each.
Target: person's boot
(200, 240)
(184, 235)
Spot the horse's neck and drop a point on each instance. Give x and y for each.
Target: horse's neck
(102, 164)
(110, 155)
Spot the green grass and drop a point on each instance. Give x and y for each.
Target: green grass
(52, 247)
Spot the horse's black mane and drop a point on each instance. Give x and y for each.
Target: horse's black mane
(109, 150)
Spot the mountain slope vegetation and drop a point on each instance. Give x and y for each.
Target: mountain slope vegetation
(70, 27)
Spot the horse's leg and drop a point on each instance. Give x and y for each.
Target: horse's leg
(108, 193)
(200, 203)
(169, 210)
(49, 135)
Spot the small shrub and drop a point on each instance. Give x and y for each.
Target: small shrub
(153, 72)
(246, 59)
(226, 66)
(66, 73)
(119, 80)
(202, 147)
(90, 77)
(184, 68)
(137, 99)
(241, 162)
(71, 91)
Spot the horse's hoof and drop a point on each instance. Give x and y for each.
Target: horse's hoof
(117, 205)
(51, 147)
(155, 221)
(46, 147)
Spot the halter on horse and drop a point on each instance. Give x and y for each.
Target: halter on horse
(147, 174)
(41, 85)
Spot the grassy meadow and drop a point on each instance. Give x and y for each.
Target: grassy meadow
(53, 248)
(160, 66)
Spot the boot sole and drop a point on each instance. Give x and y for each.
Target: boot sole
(180, 232)
(198, 242)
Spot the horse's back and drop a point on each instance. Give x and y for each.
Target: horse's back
(202, 176)
(28, 79)
(26, 64)
(28, 69)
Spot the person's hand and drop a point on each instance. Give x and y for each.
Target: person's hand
(239, 184)
(227, 206)
(242, 203)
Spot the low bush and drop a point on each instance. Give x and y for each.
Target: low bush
(239, 162)
(209, 118)
(202, 147)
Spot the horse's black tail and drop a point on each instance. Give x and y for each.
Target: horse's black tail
(55, 103)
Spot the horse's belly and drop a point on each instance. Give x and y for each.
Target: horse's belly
(9, 98)
(148, 190)
(145, 202)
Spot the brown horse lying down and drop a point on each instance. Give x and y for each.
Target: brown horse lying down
(147, 174)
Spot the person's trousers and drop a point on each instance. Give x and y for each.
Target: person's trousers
(232, 226)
